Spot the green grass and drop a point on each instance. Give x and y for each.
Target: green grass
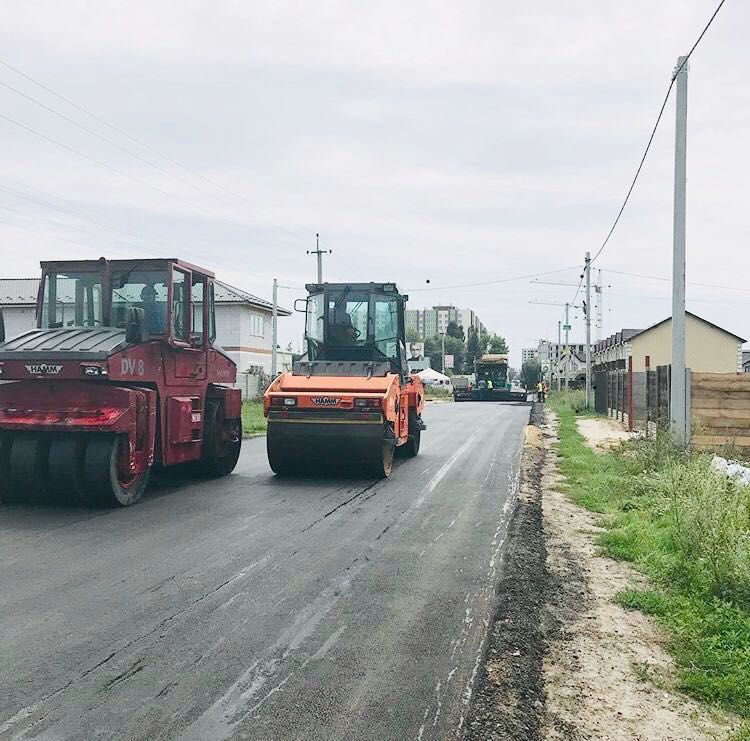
(686, 527)
(253, 421)
(436, 392)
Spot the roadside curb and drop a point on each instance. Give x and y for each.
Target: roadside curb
(508, 699)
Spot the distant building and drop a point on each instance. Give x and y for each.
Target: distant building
(243, 321)
(528, 353)
(745, 361)
(435, 321)
(563, 360)
(708, 347)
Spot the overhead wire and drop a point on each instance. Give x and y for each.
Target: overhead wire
(140, 143)
(647, 149)
(669, 280)
(653, 132)
(493, 282)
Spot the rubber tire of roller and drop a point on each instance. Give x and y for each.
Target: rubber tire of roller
(411, 448)
(6, 440)
(280, 458)
(28, 480)
(66, 469)
(101, 479)
(381, 465)
(213, 463)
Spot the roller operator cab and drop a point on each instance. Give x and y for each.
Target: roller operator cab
(122, 373)
(350, 401)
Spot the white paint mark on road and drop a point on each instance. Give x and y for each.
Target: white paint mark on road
(443, 470)
(424, 722)
(221, 718)
(439, 704)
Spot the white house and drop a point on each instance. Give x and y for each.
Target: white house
(243, 321)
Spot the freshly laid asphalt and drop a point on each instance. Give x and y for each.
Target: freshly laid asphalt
(260, 608)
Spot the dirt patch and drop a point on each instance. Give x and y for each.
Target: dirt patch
(508, 700)
(606, 673)
(601, 433)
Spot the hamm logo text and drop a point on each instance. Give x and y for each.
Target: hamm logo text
(325, 401)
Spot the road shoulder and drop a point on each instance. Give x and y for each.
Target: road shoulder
(563, 660)
(607, 674)
(508, 697)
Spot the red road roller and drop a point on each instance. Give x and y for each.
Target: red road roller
(121, 374)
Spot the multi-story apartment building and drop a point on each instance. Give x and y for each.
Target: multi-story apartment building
(435, 321)
(528, 353)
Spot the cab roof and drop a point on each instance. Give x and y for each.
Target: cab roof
(151, 262)
(381, 287)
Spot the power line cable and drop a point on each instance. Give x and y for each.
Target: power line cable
(492, 282)
(127, 151)
(647, 149)
(117, 171)
(653, 132)
(137, 141)
(669, 280)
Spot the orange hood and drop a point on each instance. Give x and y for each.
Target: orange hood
(288, 382)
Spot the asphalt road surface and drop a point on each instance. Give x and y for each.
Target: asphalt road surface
(257, 608)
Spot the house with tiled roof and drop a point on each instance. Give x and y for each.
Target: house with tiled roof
(243, 321)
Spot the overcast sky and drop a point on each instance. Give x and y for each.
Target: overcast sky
(455, 142)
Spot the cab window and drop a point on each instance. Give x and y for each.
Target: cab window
(199, 289)
(180, 318)
(211, 313)
(72, 299)
(141, 289)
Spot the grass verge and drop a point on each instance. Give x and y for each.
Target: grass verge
(688, 528)
(253, 421)
(436, 392)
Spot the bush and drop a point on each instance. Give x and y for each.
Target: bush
(711, 515)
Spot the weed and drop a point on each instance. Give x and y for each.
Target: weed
(688, 528)
(253, 421)
(574, 400)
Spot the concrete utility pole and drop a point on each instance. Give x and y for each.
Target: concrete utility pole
(317, 251)
(274, 329)
(588, 330)
(678, 411)
(557, 367)
(567, 337)
(599, 289)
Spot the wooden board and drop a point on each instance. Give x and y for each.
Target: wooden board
(718, 395)
(712, 442)
(728, 383)
(722, 412)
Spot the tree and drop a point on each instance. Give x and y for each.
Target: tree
(455, 330)
(484, 341)
(531, 372)
(473, 348)
(412, 335)
(433, 348)
(497, 345)
(512, 373)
